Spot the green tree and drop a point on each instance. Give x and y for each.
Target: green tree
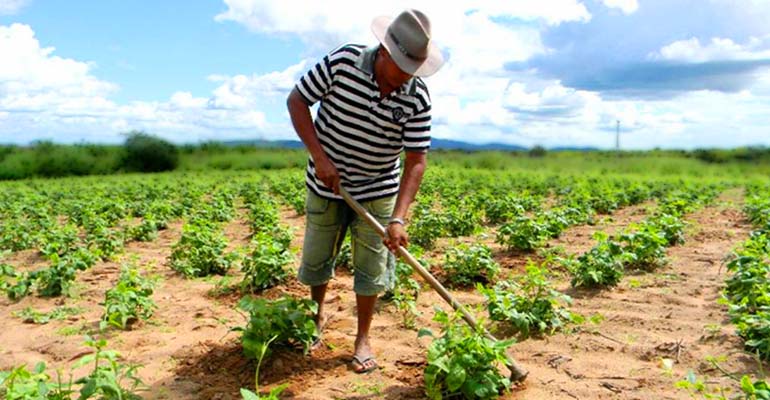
(147, 153)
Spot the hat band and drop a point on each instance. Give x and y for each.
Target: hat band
(403, 49)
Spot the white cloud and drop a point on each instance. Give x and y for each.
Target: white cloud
(627, 6)
(324, 25)
(10, 7)
(43, 95)
(243, 91)
(31, 77)
(718, 49)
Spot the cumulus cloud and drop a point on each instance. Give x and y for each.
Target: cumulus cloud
(10, 7)
(43, 95)
(718, 49)
(30, 76)
(621, 58)
(241, 91)
(552, 101)
(350, 19)
(626, 6)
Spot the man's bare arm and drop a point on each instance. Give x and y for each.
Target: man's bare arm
(414, 168)
(299, 111)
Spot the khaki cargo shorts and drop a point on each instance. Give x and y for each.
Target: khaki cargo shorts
(327, 224)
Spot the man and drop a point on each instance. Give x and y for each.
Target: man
(373, 107)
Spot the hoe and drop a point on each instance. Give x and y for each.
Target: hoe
(518, 374)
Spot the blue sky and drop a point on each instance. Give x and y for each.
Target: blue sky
(677, 74)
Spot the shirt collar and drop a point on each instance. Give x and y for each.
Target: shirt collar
(365, 62)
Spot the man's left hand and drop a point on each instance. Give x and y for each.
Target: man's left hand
(397, 236)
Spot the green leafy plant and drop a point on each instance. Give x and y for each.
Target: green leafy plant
(749, 388)
(504, 208)
(201, 250)
(109, 375)
(465, 265)
(463, 362)
(59, 240)
(425, 226)
(266, 264)
(600, 266)
(406, 290)
(672, 227)
(145, 231)
(21, 383)
(108, 380)
(461, 219)
(645, 247)
(129, 300)
(262, 213)
(284, 321)
(273, 394)
(56, 279)
(523, 233)
(32, 316)
(107, 242)
(529, 304)
(747, 293)
(7, 276)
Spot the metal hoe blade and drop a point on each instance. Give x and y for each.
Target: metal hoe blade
(518, 373)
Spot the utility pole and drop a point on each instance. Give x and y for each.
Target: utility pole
(617, 135)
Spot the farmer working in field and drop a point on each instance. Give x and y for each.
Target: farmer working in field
(373, 107)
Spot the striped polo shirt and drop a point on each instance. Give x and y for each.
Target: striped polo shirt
(362, 133)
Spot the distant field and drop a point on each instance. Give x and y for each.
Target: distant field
(51, 160)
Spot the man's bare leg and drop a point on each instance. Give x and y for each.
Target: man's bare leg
(318, 293)
(363, 349)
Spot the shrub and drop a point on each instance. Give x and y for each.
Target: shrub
(537, 151)
(146, 153)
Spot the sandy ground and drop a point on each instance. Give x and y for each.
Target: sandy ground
(188, 351)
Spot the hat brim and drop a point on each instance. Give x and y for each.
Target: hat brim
(423, 68)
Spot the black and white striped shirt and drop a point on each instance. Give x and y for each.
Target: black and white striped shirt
(360, 132)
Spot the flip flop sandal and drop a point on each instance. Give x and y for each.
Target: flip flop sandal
(363, 362)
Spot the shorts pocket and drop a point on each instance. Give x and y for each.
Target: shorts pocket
(321, 212)
(370, 256)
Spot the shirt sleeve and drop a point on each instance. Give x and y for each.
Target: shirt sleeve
(316, 82)
(417, 131)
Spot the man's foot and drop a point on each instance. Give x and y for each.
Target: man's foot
(363, 359)
(364, 365)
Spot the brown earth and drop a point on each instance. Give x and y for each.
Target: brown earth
(188, 352)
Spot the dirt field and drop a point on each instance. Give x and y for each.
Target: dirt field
(188, 352)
